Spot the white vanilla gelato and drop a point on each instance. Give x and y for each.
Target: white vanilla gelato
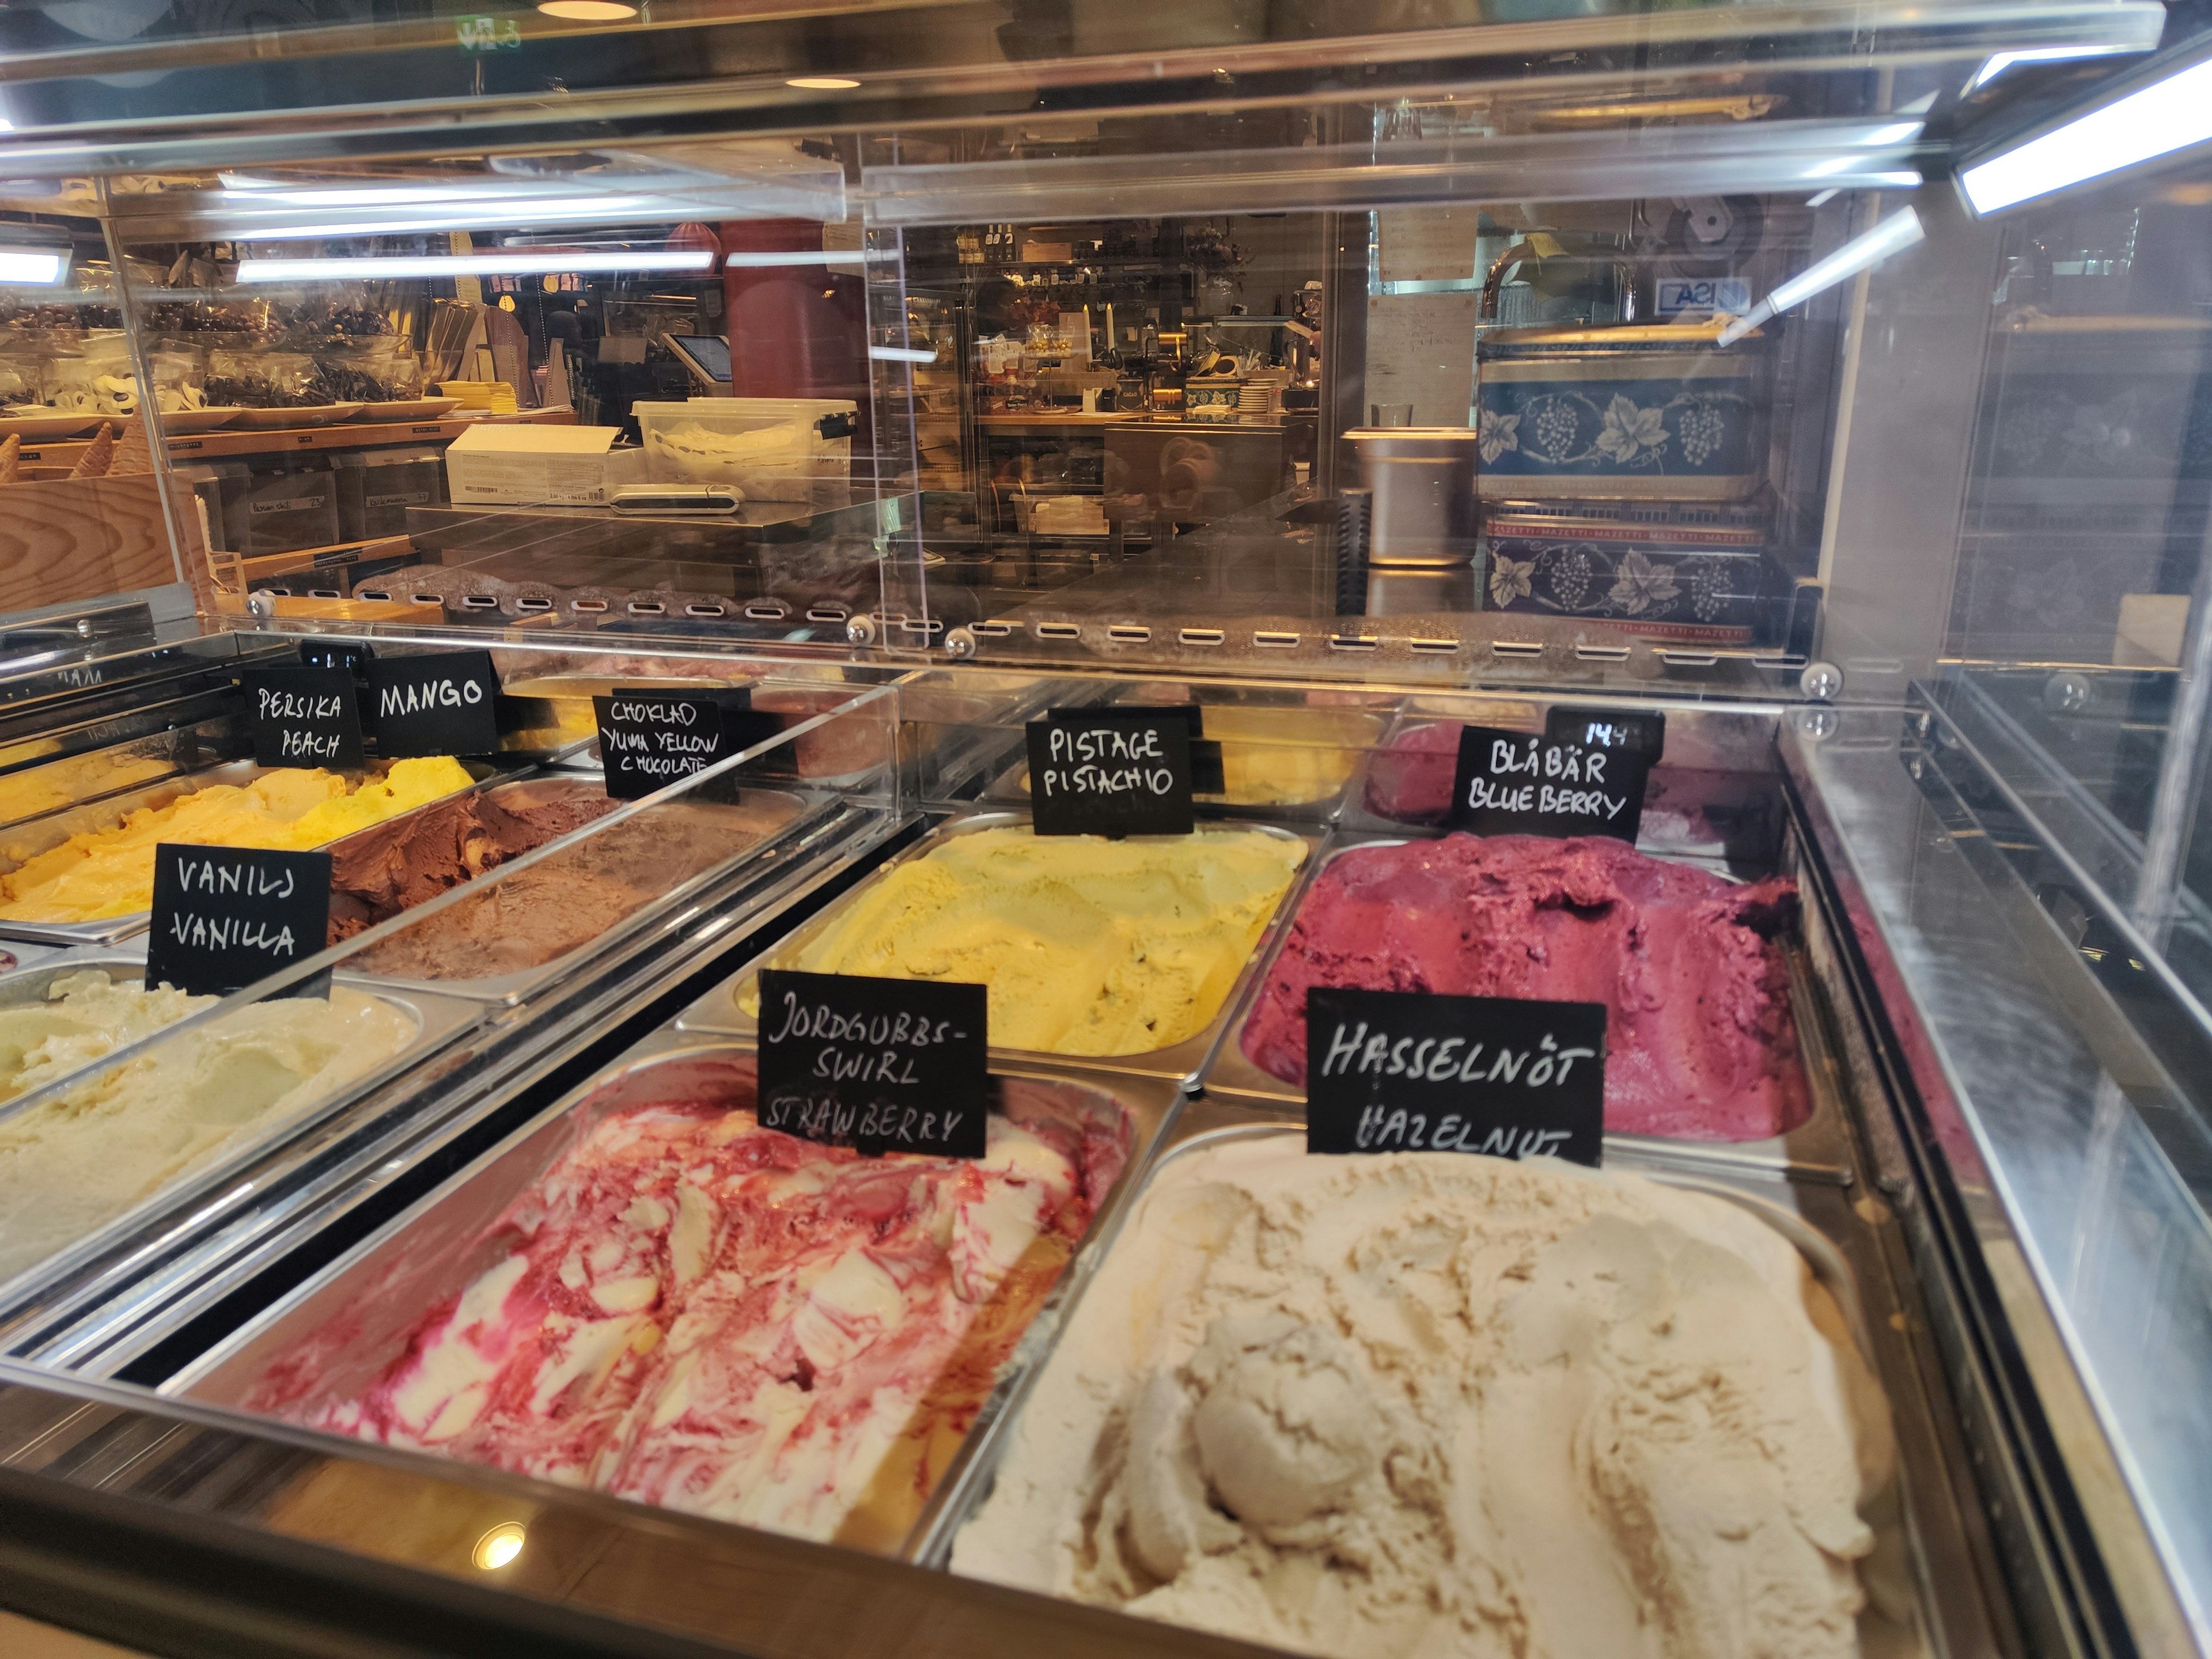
(70, 1165)
(1430, 1404)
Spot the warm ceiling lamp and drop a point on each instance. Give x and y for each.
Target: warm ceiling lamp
(822, 83)
(588, 12)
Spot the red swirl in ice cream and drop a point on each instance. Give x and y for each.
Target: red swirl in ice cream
(1698, 1034)
(700, 1313)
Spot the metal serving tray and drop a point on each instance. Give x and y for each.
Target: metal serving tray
(718, 1010)
(373, 1294)
(35, 836)
(439, 1021)
(1924, 1595)
(1819, 1149)
(799, 813)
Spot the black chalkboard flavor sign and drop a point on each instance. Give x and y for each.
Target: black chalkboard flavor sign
(225, 917)
(1407, 1071)
(434, 703)
(878, 1065)
(650, 738)
(304, 717)
(1127, 770)
(1517, 783)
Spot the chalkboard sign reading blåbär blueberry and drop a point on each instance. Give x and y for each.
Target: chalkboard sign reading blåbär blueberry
(1516, 783)
(304, 717)
(648, 739)
(878, 1065)
(438, 702)
(1404, 1072)
(226, 916)
(1111, 772)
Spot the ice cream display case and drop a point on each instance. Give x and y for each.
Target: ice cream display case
(1801, 409)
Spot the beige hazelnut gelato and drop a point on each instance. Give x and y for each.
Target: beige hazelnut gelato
(1430, 1404)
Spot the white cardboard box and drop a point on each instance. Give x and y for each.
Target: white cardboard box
(539, 466)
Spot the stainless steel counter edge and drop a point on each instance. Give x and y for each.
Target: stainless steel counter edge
(2021, 1400)
(728, 1587)
(100, 1326)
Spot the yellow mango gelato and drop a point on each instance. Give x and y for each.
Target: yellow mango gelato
(1088, 946)
(101, 873)
(48, 788)
(73, 1164)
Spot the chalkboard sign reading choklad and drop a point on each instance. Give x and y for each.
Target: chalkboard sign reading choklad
(225, 916)
(878, 1065)
(1516, 783)
(1403, 1072)
(304, 717)
(437, 702)
(648, 739)
(1111, 772)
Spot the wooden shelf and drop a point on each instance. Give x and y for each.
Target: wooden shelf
(219, 445)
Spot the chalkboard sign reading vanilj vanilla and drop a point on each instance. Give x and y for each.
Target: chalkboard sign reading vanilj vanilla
(226, 916)
(304, 717)
(1516, 783)
(879, 1065)
(1405, 1071)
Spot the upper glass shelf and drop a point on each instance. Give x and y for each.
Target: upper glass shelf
(142, 86)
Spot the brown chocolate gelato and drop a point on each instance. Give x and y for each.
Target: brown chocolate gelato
(570, 898)
(404, 861)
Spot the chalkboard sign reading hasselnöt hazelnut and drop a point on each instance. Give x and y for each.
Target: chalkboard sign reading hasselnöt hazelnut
(226, 916)
(304, 717)
(879, 1065)
(1509, 783)
(1407, 1071)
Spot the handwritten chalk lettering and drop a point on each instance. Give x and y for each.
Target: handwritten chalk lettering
(1120, 772)
(1520, 783)
(1399, 1072)
(881, 1065)
(304, 716)
(225, 917)
(279, 705)
(437, 702)
(426, 698)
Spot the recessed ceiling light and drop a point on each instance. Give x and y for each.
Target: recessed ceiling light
(822, 83)
(588, 12)
(499, 1547)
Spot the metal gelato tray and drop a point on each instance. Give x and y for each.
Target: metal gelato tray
(357, 1313)
(77, 776)
(800, 823)
(720, 1012)
(26, 841)
(200, 1197)
(1819, 1149)
(1928, 1577)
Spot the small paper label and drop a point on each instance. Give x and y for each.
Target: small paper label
(878, 1065)
(437, 703)
(1111, 772)
(648, 739)
(1631, 732)
(1404, 1072)
(226, 916)
(304, 717)
(1516, 783)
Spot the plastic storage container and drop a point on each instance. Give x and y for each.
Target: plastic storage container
(377, 486)
(282, 509)
(772, 449)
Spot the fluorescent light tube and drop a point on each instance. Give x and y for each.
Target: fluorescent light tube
(1998, 63)
(1900, 230)
(32, 267)
(2167, 115)
(850, 256)
(901, 355)
(479, 264)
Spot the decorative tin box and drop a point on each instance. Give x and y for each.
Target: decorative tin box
(1640, 412)
(1694, 575)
